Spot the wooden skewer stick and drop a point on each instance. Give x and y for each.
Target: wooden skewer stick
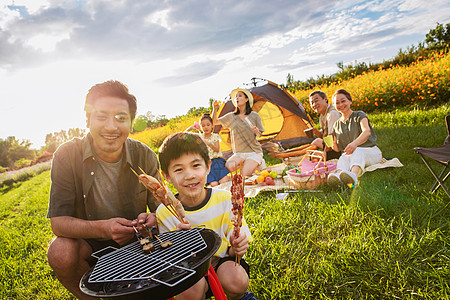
(164, 244)
(158, 239)
(174, 212)
(162, 177)
(134, 172)
(142, 170)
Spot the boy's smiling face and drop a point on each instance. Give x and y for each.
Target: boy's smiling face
(188, 175)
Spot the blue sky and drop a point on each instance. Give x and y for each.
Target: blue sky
(175, 55)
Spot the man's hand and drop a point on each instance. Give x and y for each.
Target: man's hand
(238, 245)
(148, 219)
(120, 230)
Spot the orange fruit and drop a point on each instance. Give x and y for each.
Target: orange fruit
(260, 178)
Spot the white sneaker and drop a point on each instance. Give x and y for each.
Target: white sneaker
(348, 178)
(333, 179)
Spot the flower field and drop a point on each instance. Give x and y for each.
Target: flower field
(425, 83)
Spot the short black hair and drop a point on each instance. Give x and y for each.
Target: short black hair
(179, 143)
(110, 88)
(320, 93)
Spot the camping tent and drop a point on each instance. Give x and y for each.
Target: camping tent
(283, 116)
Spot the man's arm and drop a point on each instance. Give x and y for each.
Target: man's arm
(117, 229)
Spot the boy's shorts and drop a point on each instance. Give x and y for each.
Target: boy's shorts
(243, 264)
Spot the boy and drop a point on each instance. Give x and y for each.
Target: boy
(185, 163)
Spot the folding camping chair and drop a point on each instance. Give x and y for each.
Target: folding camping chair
(441, 155)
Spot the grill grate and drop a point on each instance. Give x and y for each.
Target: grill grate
(130, 263)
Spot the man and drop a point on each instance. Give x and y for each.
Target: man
(95, 199)
(328, 115)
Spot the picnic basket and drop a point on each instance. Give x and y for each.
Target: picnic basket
(311, 171)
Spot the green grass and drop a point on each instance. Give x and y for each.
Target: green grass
(386, 239)
(24, 235)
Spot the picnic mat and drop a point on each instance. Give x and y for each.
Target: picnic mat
(385, 163)
(253, 190)
(283, 183)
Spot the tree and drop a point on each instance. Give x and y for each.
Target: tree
(53, 140)
(194, 111)
(12, 150)
(438, 38)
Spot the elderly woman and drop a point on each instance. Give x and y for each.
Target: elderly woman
(354, 137)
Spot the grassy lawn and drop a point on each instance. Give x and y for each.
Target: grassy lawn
(386, 239)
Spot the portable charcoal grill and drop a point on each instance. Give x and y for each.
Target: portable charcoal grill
(128, 273)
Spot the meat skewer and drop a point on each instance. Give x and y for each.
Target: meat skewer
(163, 194)
(164, 244)
(147, 246)
(237, 200)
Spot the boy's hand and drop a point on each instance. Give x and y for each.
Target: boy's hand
(183, 226)
(238, 245)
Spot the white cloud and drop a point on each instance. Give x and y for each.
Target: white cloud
(160, 18)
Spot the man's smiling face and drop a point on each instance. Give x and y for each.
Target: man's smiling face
(109, 124)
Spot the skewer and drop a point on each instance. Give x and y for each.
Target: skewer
(164, 244)
(138, 234)
(173, 211)
(169, 207)
(134, 172)
(161, 175)
(158, 239)
(162, 182)
(150, 234)
(142, 170)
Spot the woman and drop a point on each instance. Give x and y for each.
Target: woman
(354, 137)
(245, 125)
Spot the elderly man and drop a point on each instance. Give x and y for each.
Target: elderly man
(95, 199)
(327, 116)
